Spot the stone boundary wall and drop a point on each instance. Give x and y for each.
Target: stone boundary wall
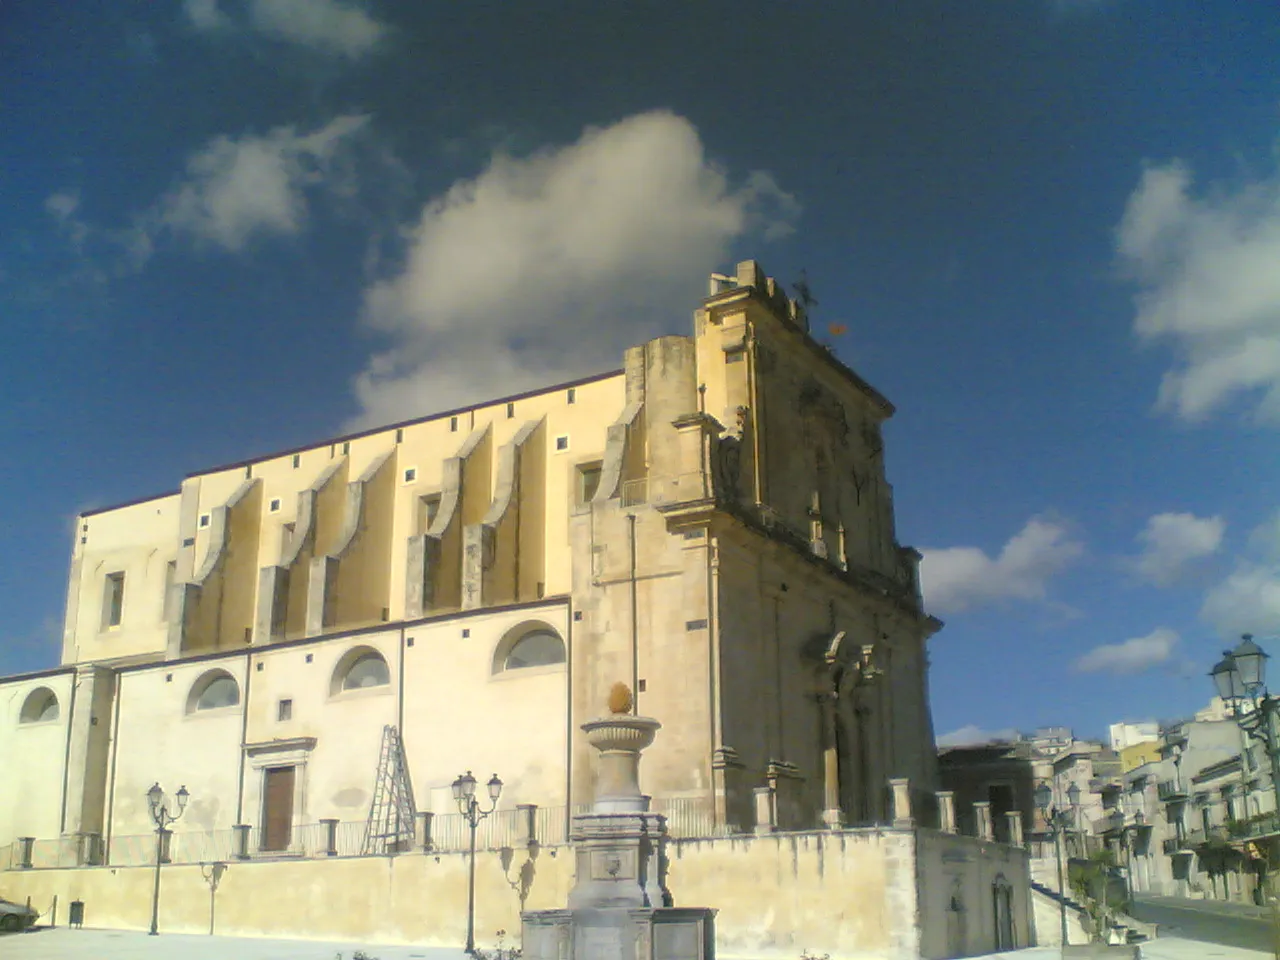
(853, 894)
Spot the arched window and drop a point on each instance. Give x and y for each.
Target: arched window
(361, 668)
(213, 691)
(40, 706)
(529, 645)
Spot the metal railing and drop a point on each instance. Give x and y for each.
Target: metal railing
(635, 492)
(1261, 825)
(688, 818)
(1171, 790)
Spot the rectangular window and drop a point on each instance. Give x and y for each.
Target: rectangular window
(562, 443)
(297, 460)
(573, 395)
(588, 482)
(410, 474)
(113, 600)
(284, 710)
(428, 507)
(511, 410)
(453, 424)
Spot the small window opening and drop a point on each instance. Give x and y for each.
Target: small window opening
(346, 448)
(297, 460)
(368, 670)
(453, 424)
(588, 482)
(274, 505)
(511, 410)
(399, 435)
(113, 600)
(537, 648)
(40, 706)
(562, 443)
(428, 508)
(284, 710)
(411, 474)
(204, 520)
(573, 395)
(222, 691)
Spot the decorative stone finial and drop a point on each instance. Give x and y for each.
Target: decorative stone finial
(620, 698)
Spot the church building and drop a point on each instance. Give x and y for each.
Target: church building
(710, 524)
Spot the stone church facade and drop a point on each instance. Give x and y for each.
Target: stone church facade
(711, 524)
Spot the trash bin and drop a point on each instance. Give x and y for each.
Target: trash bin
(77, 914)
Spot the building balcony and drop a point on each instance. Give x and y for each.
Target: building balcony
(1111, 823)
(1170, 790)
(1175, 845)
(1254, 828)
(1136, 819)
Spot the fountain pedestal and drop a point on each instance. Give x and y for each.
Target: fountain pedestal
(619, 907)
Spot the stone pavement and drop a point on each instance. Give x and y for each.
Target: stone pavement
(1163, 948)
(66, 944)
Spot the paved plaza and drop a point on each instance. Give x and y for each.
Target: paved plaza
(65, 944)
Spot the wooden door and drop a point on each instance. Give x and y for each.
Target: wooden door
(277, 808)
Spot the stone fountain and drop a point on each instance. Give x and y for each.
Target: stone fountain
(619, 907)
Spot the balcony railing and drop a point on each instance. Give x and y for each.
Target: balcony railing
(1263, 825)
(1171, 790)
(1172, 845)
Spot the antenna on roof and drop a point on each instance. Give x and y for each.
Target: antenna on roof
(804, 291)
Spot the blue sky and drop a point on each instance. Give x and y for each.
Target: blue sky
(1052, 230)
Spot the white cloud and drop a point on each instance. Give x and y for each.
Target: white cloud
(972, 735)
(329, 26)
(1248, 601)
(956, 578)
(236, 189)
(1208, 284)
(64, 207)
(1130, 656)
(548, 266)
(205, 14)
(1173, 541)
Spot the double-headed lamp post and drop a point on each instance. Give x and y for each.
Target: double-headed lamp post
(162, 816)
(1056, 821)
(464, 793)
(1241, 677)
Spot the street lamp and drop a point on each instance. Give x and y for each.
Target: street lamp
(1073, 801)
(1241, 677)
(161, 815)
(1054, 819)
(464, 794)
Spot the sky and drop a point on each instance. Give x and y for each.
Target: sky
(1050, 228)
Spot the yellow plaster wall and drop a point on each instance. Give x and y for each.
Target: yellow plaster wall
(156, 739)
(138, 540)
(34, 752)
(848, 895)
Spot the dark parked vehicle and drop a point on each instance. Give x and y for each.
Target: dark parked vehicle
(16, 916)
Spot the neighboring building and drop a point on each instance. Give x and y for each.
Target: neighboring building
(1125, 735)
(1092, 770)
(1195, 821)
(711, 524)
(1003, 775)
